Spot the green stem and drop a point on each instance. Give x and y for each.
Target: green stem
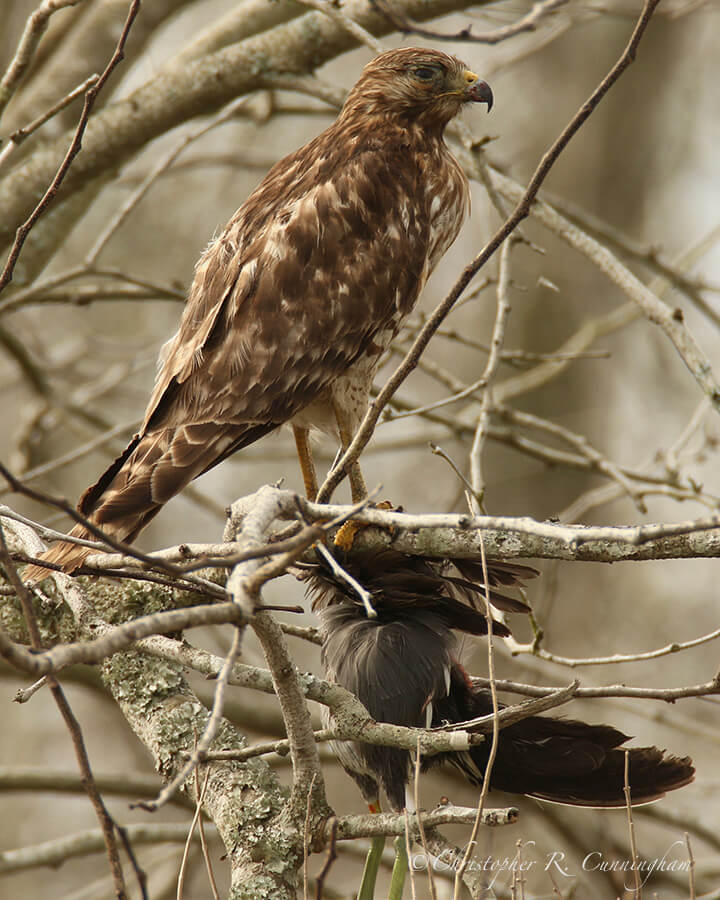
(372, 864)
(397, 882)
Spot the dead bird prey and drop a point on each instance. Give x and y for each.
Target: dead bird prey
(402, 667)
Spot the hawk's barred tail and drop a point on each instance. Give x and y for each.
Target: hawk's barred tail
(64, 554)
(71, 556)
(151, 469)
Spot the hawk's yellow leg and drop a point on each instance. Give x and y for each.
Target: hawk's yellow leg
(357, 482)
(307, 463)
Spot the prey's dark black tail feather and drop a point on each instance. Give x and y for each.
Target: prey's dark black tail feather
(562, 760)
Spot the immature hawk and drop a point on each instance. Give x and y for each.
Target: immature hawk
(293, 305)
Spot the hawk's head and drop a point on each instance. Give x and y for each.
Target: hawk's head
(423, 85)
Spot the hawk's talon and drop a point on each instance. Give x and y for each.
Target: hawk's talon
(345, 536)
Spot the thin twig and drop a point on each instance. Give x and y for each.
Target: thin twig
(392, 895)
(330, 858)
(421, 827)
(335, 12)
(528, 22)
(197, 817)
(438, 451)
(39, 291)
(106, 821)
(691, 872)
(22, 134)
(306, 840)
(472, 843)
(511, 714)
(491, 366)
(23, 695)
(206, 851)
(340, 573)
(668, 695)
(571, 662)
(631, 827)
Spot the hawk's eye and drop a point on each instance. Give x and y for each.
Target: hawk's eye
(424, 73)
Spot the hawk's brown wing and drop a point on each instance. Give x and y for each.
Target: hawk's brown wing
(318, 263)
(314, 272)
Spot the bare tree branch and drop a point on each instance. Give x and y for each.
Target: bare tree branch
(529, 22)
(671, 321)
(56, 852)
(73, 150)
(34, 30)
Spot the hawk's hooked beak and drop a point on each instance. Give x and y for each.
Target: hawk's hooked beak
(476, 90)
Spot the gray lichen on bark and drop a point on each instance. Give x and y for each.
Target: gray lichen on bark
(245, 800)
